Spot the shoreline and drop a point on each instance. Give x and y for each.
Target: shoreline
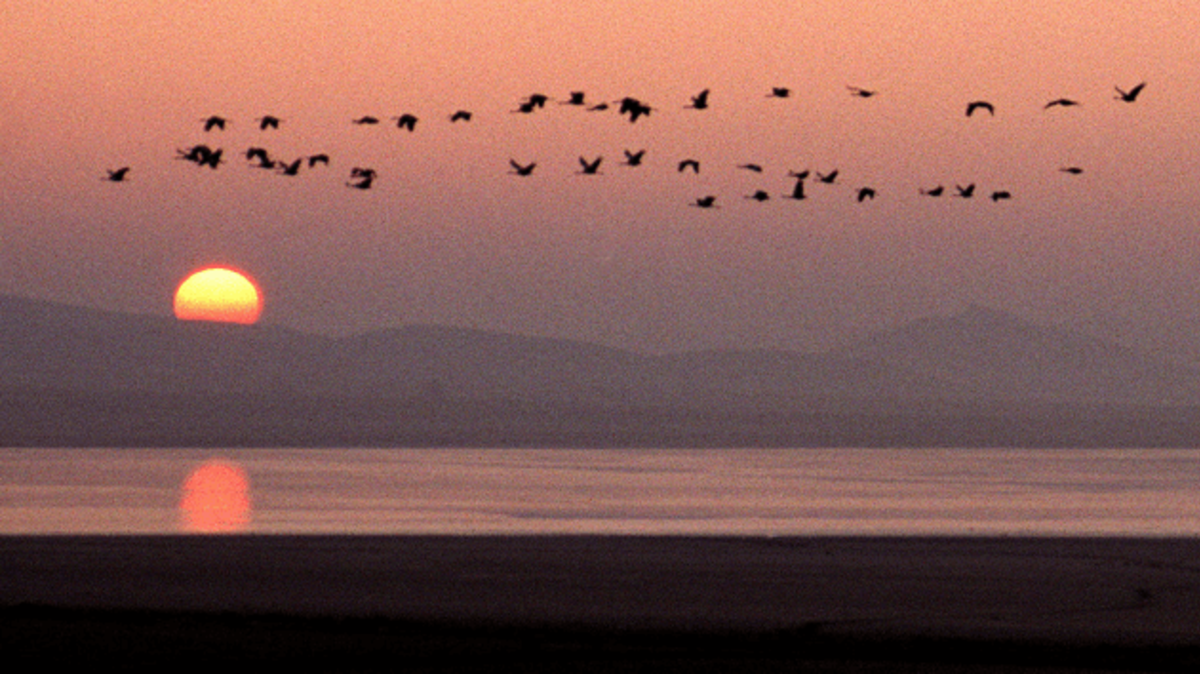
(801, 597)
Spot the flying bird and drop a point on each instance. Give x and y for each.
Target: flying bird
(574, 98)
(357, 172)
(214, 122)
(699, 101)
(367, 119)
(705, 202)
(633, 107)
(460, 115)
(1073, 170)
(779, 92)
(292, 168)
(759, 195)
(689, 164)
(590, 168)
(935, 192)
(1131, 95)
(406, 121)
(213, 160)
(633, 158)
(363, 184)
(196, 153)
(537, 100)
(520, 170)
(525, 108)
(828, 178)
(260, 154)
(860, 92)
(865, 193)
(315, 159)
(1060, 102)
(797, 190)
(751, 167)
(639, 111)
(117, 176)
(801, 175)
(268, 122)
(598, 107)
(980, 105)
(997, 196)
(965, 192)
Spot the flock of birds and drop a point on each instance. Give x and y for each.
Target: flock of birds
(362, 178)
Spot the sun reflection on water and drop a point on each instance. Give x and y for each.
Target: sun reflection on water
(215, 499)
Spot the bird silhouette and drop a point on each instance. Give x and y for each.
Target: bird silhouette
(201, 155)
(1001, 194)
(363, 184)
(521, 170)
(1131, 95)
(315, 159)
(801, 175)
(797, 191)
(292, 168)
(460, 116)
(574, 98)
(357, 172)
(264, 161)
(537, 100)
(268, 122)
(1060, 102)
(828, 178)
(865, 193)
(1073, 170)
(406, 121)
(366, 119)
(213, 160)
(779, 92)
(751, 167)
(639, 111)
(599, 107)
(759, 195)
(590, 168)
(214, 122)
(965, 192)
(860, 92)
(196, 153)
(935, 192)
(117, 176)
(699, 101)
(525, 108)
(689, 164)
(980, 105)
(705, 202)
(633, 107)
(633, 158)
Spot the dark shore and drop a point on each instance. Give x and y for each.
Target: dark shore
(355, 603)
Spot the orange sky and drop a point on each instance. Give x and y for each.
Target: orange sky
(447, 235)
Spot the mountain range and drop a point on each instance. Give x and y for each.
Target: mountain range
(79, 376)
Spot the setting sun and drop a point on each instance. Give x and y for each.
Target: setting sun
(218, 294)
(216, 499)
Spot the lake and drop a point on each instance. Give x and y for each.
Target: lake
(738, 492)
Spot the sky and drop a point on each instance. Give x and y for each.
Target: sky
(448, 235)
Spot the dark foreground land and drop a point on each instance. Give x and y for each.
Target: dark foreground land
(602, 604)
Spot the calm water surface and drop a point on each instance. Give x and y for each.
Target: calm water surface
(642, 491)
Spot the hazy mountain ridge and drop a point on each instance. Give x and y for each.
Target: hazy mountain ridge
(978, 355)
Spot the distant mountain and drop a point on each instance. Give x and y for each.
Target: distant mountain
(982, 354)
(971, 377)
(977, 355)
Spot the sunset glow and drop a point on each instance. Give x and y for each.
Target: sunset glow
(216, 499)
(446, 234)
(218, 294)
